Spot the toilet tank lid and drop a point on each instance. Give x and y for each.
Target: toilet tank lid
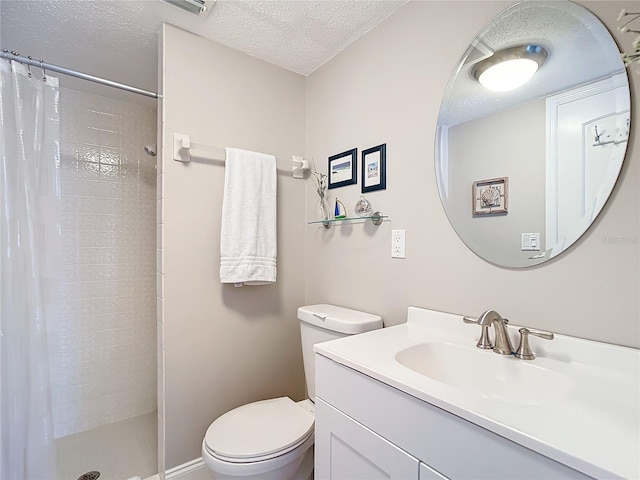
(339, 319)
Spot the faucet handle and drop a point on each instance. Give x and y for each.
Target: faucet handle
(539, 333)
(524, 351)
(484, 342)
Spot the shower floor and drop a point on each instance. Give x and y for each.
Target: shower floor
(118, 450)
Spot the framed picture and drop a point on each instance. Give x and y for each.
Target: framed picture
(374, 168)
(342, 169)
(490, 197)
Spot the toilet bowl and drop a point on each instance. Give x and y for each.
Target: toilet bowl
(265, 440)
(273, 439)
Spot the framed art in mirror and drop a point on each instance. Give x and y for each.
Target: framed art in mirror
(490, 197)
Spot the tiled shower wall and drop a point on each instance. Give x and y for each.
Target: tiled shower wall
(104, 344)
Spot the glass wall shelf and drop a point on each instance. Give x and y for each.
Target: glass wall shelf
(376, 218)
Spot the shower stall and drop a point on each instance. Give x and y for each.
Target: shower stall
(103, 348)
(101, 338)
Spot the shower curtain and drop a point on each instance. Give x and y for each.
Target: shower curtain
(29, 233)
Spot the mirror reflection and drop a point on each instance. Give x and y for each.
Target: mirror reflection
(523, 172)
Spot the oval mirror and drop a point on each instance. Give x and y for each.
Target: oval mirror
(523, 173)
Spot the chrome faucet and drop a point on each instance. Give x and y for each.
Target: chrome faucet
(503, 342)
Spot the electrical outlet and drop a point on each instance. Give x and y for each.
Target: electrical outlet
(397, 244)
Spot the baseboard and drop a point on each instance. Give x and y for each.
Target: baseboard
(193, 470)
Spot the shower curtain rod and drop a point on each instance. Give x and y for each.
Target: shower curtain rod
(72, 73)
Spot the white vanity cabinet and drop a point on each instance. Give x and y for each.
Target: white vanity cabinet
(353, 452)
(367, 430)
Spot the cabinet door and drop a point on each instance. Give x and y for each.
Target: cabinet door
(346, 450)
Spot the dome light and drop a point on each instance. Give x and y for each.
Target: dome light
(510, 68)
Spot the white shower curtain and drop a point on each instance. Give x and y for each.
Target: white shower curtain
(29, 229)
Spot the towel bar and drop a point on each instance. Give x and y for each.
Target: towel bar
(184, 149)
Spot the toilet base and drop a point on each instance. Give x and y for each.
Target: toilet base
(305, 470)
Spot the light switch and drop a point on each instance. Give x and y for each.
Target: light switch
(530, 242)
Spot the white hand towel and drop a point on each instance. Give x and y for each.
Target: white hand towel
(248, 233)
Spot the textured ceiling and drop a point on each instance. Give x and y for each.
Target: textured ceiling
(117, 39)
(580, 50)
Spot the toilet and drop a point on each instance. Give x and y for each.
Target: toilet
(273, 439)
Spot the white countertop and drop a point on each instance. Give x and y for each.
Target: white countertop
(592, 425)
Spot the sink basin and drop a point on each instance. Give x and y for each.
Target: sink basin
(485, 373)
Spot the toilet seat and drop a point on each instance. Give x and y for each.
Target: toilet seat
(259, 431)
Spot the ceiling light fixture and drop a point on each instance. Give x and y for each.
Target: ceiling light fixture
(510, 68)
(196, 7)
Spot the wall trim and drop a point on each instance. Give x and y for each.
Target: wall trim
(185, 471)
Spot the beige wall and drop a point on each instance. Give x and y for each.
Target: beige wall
(224, 346)
(387, 87)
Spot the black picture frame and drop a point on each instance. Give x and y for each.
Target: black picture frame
(343, 169)
(374, 168)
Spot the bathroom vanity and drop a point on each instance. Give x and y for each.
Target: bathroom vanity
(420, 401)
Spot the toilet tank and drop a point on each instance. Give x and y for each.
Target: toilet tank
(321, 323)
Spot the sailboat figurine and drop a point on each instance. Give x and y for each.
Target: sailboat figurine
(339, 212)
